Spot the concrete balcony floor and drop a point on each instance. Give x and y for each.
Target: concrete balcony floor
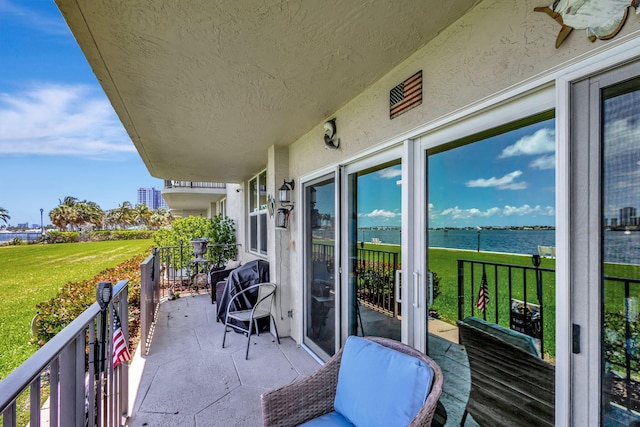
(188, 379)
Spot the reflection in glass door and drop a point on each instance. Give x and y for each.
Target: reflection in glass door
(320, 266)
(374, 212)
(604, 246)
(620, 285)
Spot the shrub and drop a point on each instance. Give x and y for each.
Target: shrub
(219, 230)
(74, 298)
(63, 237)
(102, 235)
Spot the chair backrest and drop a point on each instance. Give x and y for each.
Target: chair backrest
(509, 385)
(266, 292)
(263, 293)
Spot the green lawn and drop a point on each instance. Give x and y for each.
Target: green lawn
(31, 274)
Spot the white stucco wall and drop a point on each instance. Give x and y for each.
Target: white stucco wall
(499, 45)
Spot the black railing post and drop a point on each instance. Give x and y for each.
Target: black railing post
(460, 290)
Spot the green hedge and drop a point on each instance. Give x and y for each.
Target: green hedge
(97, 236)
(74, 298)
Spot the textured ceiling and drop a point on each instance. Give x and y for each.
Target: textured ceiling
(205, 87)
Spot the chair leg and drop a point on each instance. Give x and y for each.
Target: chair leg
(276, 328)
(246, 357)
(224, 336)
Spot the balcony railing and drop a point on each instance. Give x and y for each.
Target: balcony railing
(177, 268)
(375, 273)
(74, 370)
(194, 184)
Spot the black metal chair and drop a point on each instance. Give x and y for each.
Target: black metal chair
(246, 321)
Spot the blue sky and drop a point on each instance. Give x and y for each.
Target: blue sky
(505, 180)
(59, 135)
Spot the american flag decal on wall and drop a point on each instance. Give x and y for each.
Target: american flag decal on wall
(406, 95)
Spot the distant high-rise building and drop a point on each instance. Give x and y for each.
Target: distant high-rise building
(152, 198)
(627, 216)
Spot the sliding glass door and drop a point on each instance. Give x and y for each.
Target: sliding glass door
(605, 248)
(321, 272)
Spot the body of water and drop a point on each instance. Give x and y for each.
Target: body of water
(619, 247)
(27, 237)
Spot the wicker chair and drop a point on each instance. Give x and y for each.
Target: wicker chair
(314, 395)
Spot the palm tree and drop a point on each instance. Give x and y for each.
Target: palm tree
(60, 216)
(4, 215)
(142, 214)
(89, 213)
(123, 214)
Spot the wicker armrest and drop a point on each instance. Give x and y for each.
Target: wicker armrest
(304, 399)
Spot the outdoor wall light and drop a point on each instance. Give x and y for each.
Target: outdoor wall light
(103, 294)
(284, 192)
(284, 197)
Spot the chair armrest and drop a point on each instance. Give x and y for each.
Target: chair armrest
(303, 400)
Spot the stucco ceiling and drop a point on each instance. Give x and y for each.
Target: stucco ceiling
(204, 87)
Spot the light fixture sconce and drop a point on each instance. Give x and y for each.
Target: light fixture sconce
(330, 140)
(103, 294)
(284, 192)
(284, 197)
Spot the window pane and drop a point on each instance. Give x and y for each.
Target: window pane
(262, 183)
(263, 233)
(253, 233)
(253, 195)
(320, 313)
(621, 254)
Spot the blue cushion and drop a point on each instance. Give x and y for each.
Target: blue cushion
(379, 386)
(330, 419)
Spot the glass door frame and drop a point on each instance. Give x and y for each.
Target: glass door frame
(402, 152)
(585, 238)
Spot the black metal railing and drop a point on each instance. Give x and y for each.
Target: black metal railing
(621, 341)
(376, 272)
(515, 295)
(177, 268)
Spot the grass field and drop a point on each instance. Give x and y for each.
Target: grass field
(32, 274)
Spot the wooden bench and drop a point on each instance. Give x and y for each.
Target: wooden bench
(510, 384)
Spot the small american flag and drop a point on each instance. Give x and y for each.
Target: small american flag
(120, 350)
(483, 294)
(406, 95)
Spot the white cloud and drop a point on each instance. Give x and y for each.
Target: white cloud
(381, 213)
(60, 120)
(390, 173)
(528, 210)
(544, 162)
(541, 142)
(31, 19)
(504, 183)
(458, 213)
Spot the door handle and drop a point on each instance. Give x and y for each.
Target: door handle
(416, 281)
(398, 297)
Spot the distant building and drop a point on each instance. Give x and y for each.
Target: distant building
(152, 198)
(628, 216)
(23, 225)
